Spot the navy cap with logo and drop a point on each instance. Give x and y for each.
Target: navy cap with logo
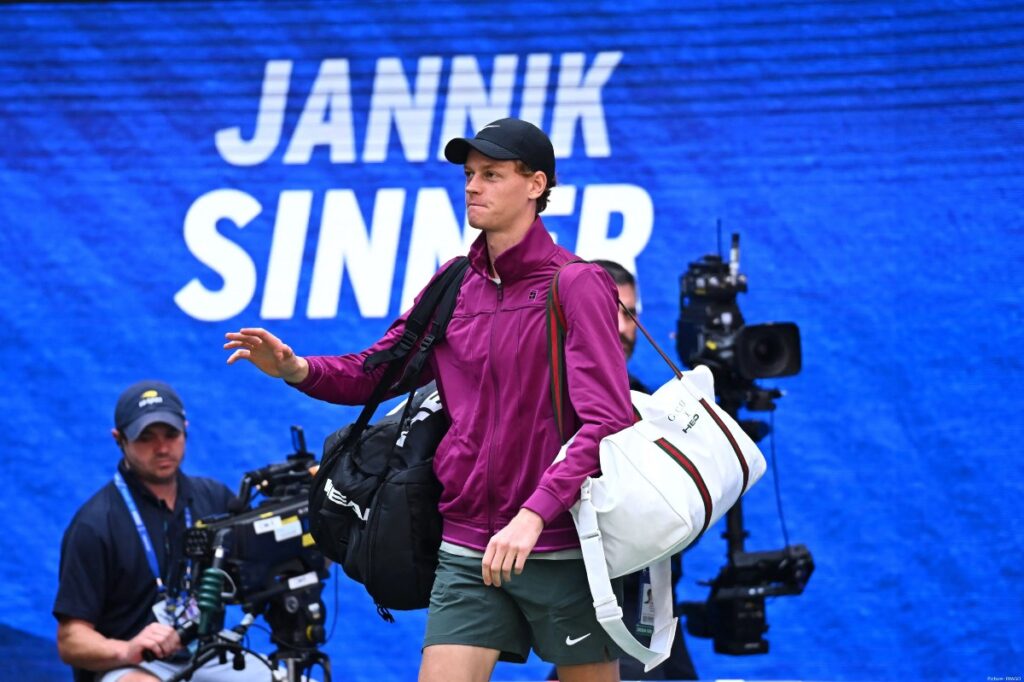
(148, 402)
(508, 138)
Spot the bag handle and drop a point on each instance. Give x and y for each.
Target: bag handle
(606, 604)
(557, 327)
(647, 335)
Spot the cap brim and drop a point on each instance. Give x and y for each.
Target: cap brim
(132, 431)
(457, 150)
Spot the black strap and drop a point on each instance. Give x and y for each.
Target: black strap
(420, 315)
(445, 309)
(439, 296)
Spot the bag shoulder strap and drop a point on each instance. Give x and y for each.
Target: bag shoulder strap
(556, 326)
(421, 314)
(556, 329)
(606, 605)
(439, 325)
(442, 291)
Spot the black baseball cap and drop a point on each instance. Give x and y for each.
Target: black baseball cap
(508, 138)
(148, 402)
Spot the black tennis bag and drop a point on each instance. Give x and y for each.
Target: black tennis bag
(373, 504)
(378, 513)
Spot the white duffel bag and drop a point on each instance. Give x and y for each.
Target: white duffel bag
(664, 481)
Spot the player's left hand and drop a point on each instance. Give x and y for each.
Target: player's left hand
(509, 547)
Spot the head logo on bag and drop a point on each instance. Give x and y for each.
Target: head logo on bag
(338, 498)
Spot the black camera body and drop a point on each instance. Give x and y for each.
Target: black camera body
(262, 556)
(711, 331)
(267, 554)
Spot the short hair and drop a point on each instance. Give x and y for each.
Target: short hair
(620, 275)
(526, 171)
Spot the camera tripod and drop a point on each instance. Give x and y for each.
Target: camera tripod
(227, 643)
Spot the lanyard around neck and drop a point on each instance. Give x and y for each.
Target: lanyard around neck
(140, 527)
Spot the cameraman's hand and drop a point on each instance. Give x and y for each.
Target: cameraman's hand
(158, 638)
(267, 352)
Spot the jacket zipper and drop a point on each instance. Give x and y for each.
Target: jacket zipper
(494, 426)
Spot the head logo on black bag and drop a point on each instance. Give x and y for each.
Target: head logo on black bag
(338, 498)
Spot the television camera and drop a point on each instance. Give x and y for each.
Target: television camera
(262, 558)
(711, 331)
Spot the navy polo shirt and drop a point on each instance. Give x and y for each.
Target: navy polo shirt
(105, 578)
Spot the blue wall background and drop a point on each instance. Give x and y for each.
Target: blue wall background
(867, 152)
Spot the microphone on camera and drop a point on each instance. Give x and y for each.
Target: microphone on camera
(734, 258)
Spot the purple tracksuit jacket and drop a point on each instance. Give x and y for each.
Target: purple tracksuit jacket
(494, 376)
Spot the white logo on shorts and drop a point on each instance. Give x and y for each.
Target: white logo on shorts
(569, 641)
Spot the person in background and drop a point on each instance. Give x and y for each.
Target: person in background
(122, 565)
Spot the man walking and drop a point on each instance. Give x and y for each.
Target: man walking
(511, 576)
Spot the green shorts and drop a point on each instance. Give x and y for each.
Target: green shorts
(547, 607)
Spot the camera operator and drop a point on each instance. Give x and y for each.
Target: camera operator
(678, 666)
(122, 565)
